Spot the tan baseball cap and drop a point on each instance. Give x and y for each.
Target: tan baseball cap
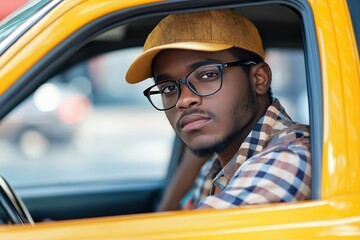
(210, 31)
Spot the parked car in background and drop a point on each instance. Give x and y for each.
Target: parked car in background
(51, 115)
(107, 182)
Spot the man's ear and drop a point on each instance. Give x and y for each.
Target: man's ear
(261, 78)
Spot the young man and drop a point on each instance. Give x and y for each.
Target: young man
(214, 86)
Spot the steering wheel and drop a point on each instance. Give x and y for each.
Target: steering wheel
(12, 205)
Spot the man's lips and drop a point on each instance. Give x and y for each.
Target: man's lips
(193, 121)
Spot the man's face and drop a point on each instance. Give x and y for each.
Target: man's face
(212, 123)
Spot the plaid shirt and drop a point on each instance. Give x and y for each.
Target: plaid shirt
(273, 164)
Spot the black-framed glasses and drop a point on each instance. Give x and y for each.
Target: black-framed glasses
(203, 81)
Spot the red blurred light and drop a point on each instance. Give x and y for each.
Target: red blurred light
(73, 109)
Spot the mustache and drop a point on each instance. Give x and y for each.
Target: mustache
(192, 111)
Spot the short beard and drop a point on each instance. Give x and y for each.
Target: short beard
(216, 147)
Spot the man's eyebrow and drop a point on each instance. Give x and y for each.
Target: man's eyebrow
(193, 66)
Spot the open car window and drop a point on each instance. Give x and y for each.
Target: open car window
(85, 125)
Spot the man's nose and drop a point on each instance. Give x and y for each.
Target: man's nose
(187, 98)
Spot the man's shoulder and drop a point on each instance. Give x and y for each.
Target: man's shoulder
(293, 134)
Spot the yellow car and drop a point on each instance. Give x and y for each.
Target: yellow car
(106, 180)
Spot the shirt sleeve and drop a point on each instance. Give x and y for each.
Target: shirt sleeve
(277, 174)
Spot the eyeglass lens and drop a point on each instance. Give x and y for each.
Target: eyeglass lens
(203, 81)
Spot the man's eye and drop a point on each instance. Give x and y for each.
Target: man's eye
(168, 89)
(209, 76)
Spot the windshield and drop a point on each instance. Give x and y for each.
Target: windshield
(12, 22)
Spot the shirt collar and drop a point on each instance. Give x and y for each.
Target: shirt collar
(274, 120)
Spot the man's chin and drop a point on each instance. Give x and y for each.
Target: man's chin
(204, 151)
(217, 146)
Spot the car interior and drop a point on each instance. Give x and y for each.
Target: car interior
(119, 154)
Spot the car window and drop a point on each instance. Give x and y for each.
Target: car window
(88, 120)
(8, 25)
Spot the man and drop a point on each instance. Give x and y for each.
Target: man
(214, 86)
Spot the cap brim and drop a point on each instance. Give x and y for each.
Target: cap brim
(140, 69)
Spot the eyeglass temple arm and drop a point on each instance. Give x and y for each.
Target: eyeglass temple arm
(240, 63)
(148, 92)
